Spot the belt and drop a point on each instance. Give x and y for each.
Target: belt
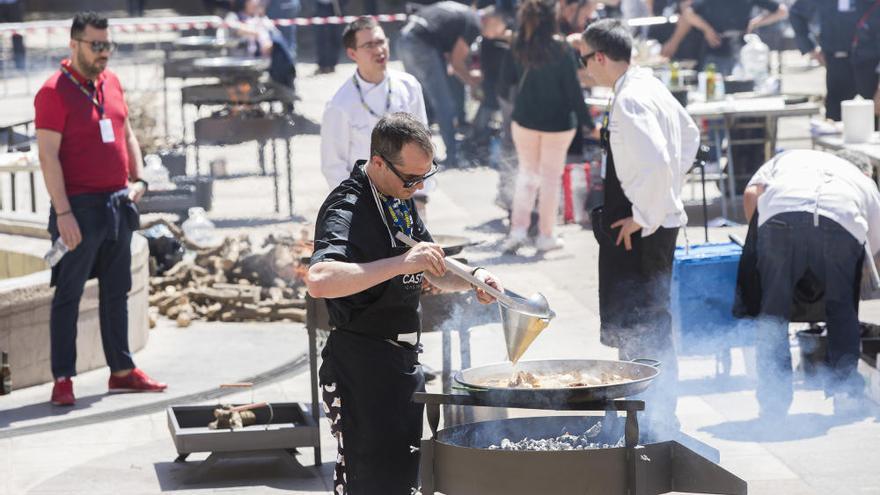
(840, 55)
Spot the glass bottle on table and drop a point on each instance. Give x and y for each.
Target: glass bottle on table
(711, 74)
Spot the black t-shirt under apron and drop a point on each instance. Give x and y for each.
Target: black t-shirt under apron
(354, 226)
(442, 23)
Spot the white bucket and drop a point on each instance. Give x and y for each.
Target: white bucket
(858, 120)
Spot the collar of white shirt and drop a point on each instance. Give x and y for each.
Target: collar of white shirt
(367, 86)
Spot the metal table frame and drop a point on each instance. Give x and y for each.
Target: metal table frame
(9, 128)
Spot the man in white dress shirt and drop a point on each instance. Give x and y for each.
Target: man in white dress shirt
(650, 142)
(372, 92)
(817, 215)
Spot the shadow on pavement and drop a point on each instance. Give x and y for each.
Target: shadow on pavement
(788, 428)
(45, 409)
(715, 385)
(244, 473)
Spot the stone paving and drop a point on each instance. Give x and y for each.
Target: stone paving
(814, 452)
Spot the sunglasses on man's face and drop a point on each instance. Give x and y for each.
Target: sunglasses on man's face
(100, 46)
(410, 182)
(585, 59)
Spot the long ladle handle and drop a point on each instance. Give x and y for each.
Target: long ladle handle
(461, 270)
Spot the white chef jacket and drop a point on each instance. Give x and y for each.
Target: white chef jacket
(654, 142)
(346, 125)
(823, 184)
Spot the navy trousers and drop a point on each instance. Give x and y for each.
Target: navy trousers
(106, 222)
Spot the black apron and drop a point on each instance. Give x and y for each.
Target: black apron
(368, 383)
(633, 285)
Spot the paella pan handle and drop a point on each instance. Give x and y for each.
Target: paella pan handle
(650, 362)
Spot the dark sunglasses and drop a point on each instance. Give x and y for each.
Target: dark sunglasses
(412, 181)
(100, 46)
(585, 59)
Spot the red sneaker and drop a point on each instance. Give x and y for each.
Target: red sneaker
(62, 392)
(136, 381)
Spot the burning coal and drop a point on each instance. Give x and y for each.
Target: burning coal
(565, 441)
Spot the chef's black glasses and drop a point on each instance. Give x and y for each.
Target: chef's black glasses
(409, 183)
(99, 46)
(585, 59)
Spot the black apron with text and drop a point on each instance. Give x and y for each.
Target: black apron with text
(633, 285)
(374, 379)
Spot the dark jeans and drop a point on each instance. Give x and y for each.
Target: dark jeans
(13, 12)
(790, 245)
(328, 37)
(634, 310)
(428, 65)
(105, 253)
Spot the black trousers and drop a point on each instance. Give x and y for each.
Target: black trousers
(840, 84)
(328, 37)
(634, 309)
(105, 253)
(380, 425)
(13, 12)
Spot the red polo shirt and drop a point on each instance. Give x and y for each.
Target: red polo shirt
(89, 164)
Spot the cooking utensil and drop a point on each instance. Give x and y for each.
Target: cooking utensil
(453, 244)
(637, 376)
(506, 298)
(521, 319)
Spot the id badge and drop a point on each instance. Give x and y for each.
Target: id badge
(843, 5)
(107, 131)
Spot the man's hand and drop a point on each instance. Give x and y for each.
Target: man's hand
(136, 191)
(425, 256)
(628, 227)
(818, 56)
(712, 38)
(488, 278)
(69, 230)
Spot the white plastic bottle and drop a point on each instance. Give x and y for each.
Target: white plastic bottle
(198, 228)
(56, 252)
(755, 60)
(156, 174)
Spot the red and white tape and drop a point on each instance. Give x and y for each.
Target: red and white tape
(177, 24)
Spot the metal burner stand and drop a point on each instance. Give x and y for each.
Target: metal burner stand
(650, 469)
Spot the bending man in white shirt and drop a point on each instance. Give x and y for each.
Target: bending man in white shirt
(372, 92)
(650, 142)
(816, 214)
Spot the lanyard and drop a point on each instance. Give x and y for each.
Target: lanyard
(91, 96)
(357, 85)
(400, 215)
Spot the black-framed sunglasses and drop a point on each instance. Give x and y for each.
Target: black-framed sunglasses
(585, 59)
(100, 46)
(412, 181)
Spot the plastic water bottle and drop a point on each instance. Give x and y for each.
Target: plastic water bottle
(156, 174)
(755, 59)
(198, 228)
(56, 252)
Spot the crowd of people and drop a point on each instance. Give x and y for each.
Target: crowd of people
(813, 214)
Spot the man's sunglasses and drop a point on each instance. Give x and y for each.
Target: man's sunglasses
(585, 59)
(409, 183)
(100, 46)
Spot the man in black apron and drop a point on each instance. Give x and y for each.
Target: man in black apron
(372, 284)
(654, 142)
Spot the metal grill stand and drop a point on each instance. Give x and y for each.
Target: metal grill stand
(654, 468)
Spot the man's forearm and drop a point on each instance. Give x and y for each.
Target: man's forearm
(54, 180)
(135, 159)
(332, 279)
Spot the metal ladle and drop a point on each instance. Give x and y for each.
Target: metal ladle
(535, 305)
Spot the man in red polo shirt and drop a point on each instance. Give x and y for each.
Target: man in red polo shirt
(91, 163)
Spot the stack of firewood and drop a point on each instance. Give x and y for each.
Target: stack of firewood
(235, 281)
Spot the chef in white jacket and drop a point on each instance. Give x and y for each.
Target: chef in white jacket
(370, 93)
(650, 142)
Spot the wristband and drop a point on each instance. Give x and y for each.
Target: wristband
(145, 183)
(68, 212)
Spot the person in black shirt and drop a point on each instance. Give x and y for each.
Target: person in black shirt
(434, 34)
(372, 283)
(837, 26)
(548, 107)
(723, 23)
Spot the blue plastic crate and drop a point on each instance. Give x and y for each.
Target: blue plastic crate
(702, 292)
